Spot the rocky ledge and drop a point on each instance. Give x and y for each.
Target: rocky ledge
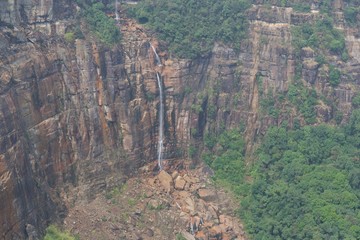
(172, 203)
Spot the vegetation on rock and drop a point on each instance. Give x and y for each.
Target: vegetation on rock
(102, 26)
(352, 12)
(191, 27)
(53, 233)
(305, 184)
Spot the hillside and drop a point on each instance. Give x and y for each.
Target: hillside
(265, 93)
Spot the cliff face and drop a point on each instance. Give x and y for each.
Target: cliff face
(77, 118)
(34, 12)
(73, 121)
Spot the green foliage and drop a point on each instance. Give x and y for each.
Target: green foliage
(338, 116)
(353, 128)
(306, 184)
(322, 36)
(356, 101)
(351, 15)
(179, 236)
(196, 108)
(269, 106)
(210, 140)
(69, 37)
(304, 100)
(190, 26)
(352, 12)
(334, 76)
(228, 163)
(301, 7)
(116, 191)
(103, 27)
(192, 151)
(53, 233)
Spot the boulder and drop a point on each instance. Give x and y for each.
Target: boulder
(180, 183)
(207, 194)
(175, 174)
(190, 205)
(191, 179)
(166, 181)
(216, 231)
(187, 235)
(201, 235)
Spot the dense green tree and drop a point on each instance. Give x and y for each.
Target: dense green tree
(191, 27)
(306, 185)
(100, 24)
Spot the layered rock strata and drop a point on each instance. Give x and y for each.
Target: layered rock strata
(78, 118)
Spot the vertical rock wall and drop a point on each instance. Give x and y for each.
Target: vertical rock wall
(77, 119)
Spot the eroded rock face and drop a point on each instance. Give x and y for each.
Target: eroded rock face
(77, 119)
(148, 211)
(34, 11)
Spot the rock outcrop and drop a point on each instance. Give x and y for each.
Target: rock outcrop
(143, 209)
(76, 119)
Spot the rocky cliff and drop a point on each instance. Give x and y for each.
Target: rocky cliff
(78, 118)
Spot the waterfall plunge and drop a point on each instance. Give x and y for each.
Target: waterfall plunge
(161, 112)
(117, 18)
(158, 61)
(161, 122)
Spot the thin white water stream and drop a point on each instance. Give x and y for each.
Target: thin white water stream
(161, 123)
(117, 18)
(161, 111)
(158, 61)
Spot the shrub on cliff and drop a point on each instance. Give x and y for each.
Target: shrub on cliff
(53, 233)
(69, 37)
(190, 26)
(103, 27)
(352, 12)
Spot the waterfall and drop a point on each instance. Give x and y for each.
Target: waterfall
(158, 61)
(161, 112)
(161, 122)
(116, 11)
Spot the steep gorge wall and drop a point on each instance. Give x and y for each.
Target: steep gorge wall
(74, 121)
(77, 119)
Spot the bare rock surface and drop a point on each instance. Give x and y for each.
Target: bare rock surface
(76, 119)
(128, 212)
(180, 183)
(166, 181)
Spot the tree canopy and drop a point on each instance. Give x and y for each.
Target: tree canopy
(304, 185)
(191, 27)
